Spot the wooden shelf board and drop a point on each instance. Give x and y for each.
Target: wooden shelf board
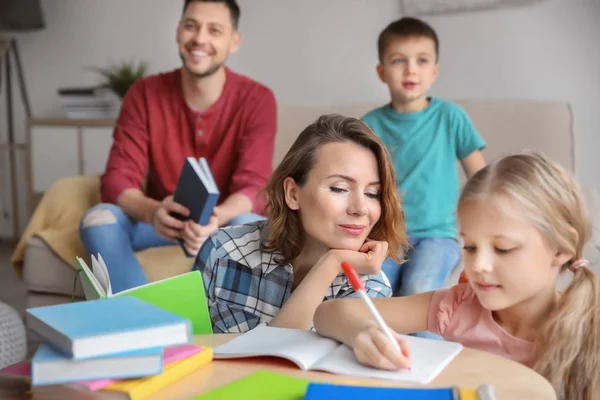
(71, 122)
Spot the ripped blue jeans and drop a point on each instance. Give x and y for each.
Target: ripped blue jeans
(117, 237)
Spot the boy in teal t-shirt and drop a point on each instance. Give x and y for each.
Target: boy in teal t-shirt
(425, 136)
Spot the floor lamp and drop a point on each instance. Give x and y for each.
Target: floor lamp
(9, 51)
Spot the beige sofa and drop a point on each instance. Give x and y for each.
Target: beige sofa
(508, 126)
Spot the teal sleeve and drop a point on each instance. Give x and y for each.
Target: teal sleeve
(366, 120)
(467, 138)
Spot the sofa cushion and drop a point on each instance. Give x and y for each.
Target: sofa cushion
(164, 262)
(508, 126)
(45, 272)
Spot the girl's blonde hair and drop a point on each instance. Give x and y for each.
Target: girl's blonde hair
(285, 229)
(568, 343)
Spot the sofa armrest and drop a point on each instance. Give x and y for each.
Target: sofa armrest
(60, 210)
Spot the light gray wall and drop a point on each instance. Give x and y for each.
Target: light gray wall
(323, 52)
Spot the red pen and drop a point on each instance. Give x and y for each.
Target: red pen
(359, 287)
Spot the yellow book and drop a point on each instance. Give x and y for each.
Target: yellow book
(468, 394)
(138, 389)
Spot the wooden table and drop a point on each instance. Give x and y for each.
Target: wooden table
(469, 369)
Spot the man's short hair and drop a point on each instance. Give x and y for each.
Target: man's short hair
(232, 5)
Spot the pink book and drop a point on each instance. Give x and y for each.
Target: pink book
(19, 370)
(171, 354)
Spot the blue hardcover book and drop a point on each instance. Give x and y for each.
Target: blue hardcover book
(104, 327)
(197, 191)
(325, 391)
(51, 367)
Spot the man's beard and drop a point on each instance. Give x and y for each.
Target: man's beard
(200, 75)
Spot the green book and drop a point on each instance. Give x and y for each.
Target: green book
(182, 294)
(260, 385)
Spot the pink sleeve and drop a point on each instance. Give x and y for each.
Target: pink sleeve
(443, 305)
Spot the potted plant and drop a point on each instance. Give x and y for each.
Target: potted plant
(120, 77)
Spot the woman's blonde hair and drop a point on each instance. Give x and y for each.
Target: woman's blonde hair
(285, 228)
(568, 343)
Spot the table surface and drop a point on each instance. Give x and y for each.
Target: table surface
(469, 369)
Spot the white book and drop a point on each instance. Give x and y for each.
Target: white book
(310, 351)
(95, 281)
(51, 367)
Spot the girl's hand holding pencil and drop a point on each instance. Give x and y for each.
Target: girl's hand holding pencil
(372, 347)
(376, 345)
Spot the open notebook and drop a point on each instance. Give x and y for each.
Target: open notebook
(181, 294)
(310, 351)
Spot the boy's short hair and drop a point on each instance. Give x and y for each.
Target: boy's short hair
(232, 5)
(406, 27)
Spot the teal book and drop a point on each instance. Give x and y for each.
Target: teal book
(96, 328)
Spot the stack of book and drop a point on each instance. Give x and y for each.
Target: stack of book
(121, 344)
(87, 102)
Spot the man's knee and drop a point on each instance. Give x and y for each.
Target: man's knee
(102, 214)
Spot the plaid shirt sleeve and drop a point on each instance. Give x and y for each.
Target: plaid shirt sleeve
(225, 316)
(375, 286)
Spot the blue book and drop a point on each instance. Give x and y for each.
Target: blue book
(197, 191)
(51, 367)
(325, 391)
(104, 327)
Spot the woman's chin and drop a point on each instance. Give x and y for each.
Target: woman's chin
(347, 244)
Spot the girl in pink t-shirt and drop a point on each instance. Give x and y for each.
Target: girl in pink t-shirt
(522, 223)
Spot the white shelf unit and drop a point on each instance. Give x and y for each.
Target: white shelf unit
(65, 147)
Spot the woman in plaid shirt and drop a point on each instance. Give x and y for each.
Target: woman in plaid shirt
(333, 198)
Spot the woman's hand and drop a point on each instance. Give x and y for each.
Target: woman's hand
(194, 234)
(373, 348)
(298, 312)
(367, 260)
